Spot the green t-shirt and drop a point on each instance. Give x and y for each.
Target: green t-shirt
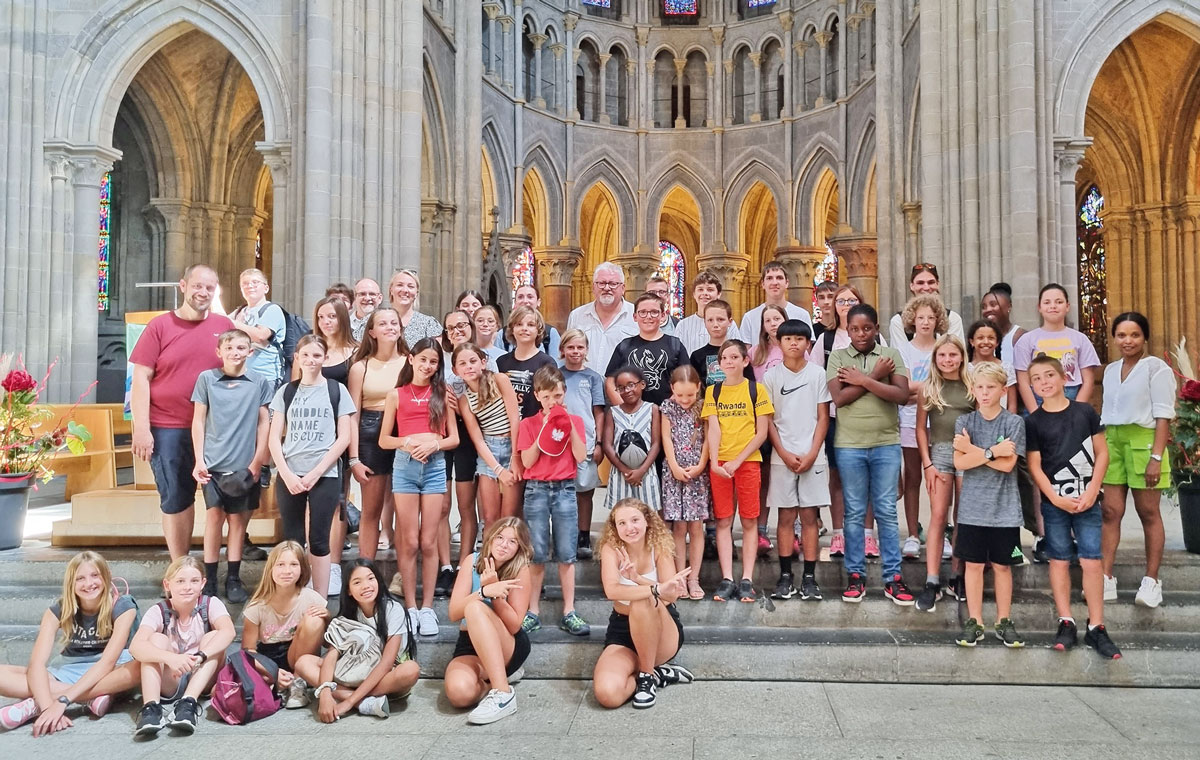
(870, 421)
(941, 424)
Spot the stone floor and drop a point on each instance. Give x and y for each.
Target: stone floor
(557, 719)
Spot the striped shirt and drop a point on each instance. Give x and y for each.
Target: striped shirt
(493, 418)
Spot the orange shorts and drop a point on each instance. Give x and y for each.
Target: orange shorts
(745, 482)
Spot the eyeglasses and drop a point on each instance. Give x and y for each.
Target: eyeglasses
(649, 314)
(923, 267)
(460, 327)
(629, 386)
(846, 302)
(360, 294)
(608, 285)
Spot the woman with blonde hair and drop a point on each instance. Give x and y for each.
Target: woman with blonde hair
(637, 568)
(404, 290)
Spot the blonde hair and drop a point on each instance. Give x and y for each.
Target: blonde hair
(993, 371)
(934, 304)
(931, 394)
(255, 273)
(509, 570)
(573, 334)
(266, 585)
(488, 390)
(177, 564)
(657, 537)
(69, 605)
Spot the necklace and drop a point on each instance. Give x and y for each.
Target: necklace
(418, 400)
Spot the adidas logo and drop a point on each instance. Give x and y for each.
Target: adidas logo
(557, 436)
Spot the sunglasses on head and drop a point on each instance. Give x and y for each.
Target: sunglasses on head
(931, 268)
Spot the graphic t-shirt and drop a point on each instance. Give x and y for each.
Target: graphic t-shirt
(310, 430)
(657, 359)
(83, 641)
(918, 363)
(1070, 347)
(990, 497)
(184, 637)
(520, 374)
(547, 467)
(585, 391)
(1065, 442)
(738, 421)
(795, 396)
(231, 422)
(178, 350)
(274, 628)
(707, 362)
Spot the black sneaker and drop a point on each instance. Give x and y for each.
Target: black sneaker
(1097, 638)
(445, 582)
(784, 589)
(898, 592)
(1007, 633)
(235, 592)
(643, 695)
(1039, 551)
(745, 591)
(185, 716)
(972, 633)
(669, 674)
(928, 598)
(1067, 636)
(150, 720)
(856, 589)
(253, 553)
(725, 591)
(583, 550)
(809, 590)
(957, 588)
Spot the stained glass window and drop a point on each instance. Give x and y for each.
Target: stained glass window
(523, 270)
(672, 267)
(1093, 288)
(759, 3)
(681, 7)
(104, 252)
(258, 249)
(828, 271)
(598, 3)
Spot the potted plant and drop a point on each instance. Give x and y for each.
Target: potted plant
(29, 438)
(1184, 446)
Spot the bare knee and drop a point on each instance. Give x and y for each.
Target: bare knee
(462, 688)
(610, 690)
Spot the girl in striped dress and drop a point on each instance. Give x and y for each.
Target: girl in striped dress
(489, 408)
(632, 442)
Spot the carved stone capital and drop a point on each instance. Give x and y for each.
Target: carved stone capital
(729, 267)
(604, 59)
(823, 38)
(630, 66)
(756, 58)
(728, 65)
(718, 33)
(854, 20)
(786, 18)
(506, 22)
(558, 49)
(570, 21)
(642, 35)
(1068, 154)
(861, 254)
(710, 67)
(556, 265)
(83, 165)
(538, 40)
(278, 158)
(680, 64)
(492, 9)
(800, 46)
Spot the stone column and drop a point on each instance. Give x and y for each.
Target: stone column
(800, 48)
(862, 263)
(556, 267)
(411, 109)
(786, 19)
(570, 107)
(278, 158)
(564, 81)
(823, 39)
(648, 87)
(854, 23)
(731, 268)
(717, 91)
(633, 104)
(1068, 153)
(645, 109)
(728, 90)
(709, 113)
(174, 213)
(867, 8)
(246, 226)
(508, 62)
(318, 137)
(681, 118)
(638, 267)
(492, 9)
(580, 109)
(912, 234)
(756, 114)
(802, 263)
(602, 117)
(538, 41)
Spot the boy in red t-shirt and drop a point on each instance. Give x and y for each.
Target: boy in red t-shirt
(551, 444)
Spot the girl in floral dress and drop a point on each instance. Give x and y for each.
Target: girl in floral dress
(686, 497)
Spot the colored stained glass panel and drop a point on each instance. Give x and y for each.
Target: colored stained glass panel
(681, 7)
(1093, 284)
(828, 271)
(598, 3)
(523, 270)
(673, 268)
(103, 254)
(759, 3)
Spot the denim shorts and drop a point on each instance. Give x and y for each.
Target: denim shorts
(69, 670)
(172, 462)
(501, 448)
(411, 476)
(1061, 526)
(942, 457)
(551, 511)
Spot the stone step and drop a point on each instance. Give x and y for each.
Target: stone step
(860, 656)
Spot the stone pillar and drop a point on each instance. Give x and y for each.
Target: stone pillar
(1068, 153)
(648, 87)
(862, 263)
(411, 110)
(642, 90)
(492, 9)
(580, 109)
(538, 41)
(563, 81)
(801, 48)
(318, 138)
(246, 226)
(912, 234)
(570, 107)
(756, 114)
(709, 114)
(602, 117)
(556, 267)
(802, 263)
(854, 25)
(731, 268)
(823, 39)
(786, 19)
(867, 8)
(508, 62)
(717, 91)
(278, 158)
(638, 267)
(633, 104)
(174, 213)
(728, 90)
(680, 119)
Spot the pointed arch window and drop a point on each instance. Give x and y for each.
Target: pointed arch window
(827, 272)
(104, 252)
(523, 270)
(1093, 285)
(673, 268)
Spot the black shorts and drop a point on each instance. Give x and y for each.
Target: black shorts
(378, 460)
(829, 435)
(618, 630)
(172, 462)
(276, 653)
(464, 648)
(233, 492)
(979, 544)
(461, 461)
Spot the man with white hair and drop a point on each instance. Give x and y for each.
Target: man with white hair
(607, 319)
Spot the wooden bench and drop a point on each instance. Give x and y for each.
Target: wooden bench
(96, 468)
(122, 429)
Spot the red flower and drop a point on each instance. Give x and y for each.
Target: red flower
(1190, 390)
(18, 380)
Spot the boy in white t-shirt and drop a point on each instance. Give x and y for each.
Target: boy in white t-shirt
(799, 469)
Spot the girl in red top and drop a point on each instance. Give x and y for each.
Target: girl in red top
(419, 424)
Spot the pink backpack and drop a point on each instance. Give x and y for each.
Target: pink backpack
(242, 694)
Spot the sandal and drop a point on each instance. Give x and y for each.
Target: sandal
(694, 590)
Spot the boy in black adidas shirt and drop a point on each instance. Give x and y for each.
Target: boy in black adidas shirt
(1067, 455)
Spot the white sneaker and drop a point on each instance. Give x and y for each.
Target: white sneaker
(1149, 593)
(377, 706)
(1110, 588)
(493, 707)
(947, 549)
(427, 621)
(297, 694)
(335, 580)
(912, 548)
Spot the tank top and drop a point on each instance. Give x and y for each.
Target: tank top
(493, 418)
(652, 575)
(412, 410)
(1006, 344)
(377, 381)
(339, 372)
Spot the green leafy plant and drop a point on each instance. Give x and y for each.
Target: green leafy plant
(1184, 443)
(29, 434)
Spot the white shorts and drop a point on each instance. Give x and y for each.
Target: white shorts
(908, 437)
(587, 478)
(788, 490)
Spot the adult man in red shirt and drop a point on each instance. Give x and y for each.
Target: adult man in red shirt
(171, 353)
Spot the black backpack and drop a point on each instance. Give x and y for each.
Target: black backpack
(168, 612)
(335, 395)
(294, 328)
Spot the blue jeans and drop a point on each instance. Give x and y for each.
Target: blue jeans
(870, 476)
(412, 476)
(551, 511)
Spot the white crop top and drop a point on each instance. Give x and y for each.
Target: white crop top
(652, 575)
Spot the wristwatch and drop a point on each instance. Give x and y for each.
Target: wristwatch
(988, 455)
(1156, 457)
(63, 698)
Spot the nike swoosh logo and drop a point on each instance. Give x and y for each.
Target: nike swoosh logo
(786, 391)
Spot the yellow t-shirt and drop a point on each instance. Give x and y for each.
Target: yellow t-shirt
(736, 418)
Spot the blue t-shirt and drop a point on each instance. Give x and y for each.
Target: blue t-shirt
(265, 362)
(585, 389)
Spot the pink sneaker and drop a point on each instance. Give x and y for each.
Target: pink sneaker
(764, 543)
(796, 547)
(18, 714)
(871, 547)
(837, 546)
(100, 705)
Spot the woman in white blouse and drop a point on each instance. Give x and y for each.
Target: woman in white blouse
(1139, 404)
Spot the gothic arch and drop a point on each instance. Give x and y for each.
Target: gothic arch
(600, 230)
(758, 228)
(621, 193)
(535, 209)
(768, 39)
(686, 178)
(120, 38)
(755, 172)
(678, 221)
(538, 158)
(861, 165)
(436, 138)
(820, 161)
(501, 168)
(826, 211)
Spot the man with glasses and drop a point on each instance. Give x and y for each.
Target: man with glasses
(775, 288)
(607, 319)
(658, 286)
(924, 281)
(652, 351)
(367, 296)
